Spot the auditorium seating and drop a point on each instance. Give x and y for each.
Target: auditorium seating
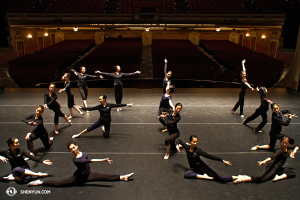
(185, 60)
(261, 69)
(160, 6)
(126, 52)
(42, 66)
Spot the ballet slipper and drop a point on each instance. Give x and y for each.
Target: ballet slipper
(70, 117)
(81, 113)
(31, 153)
(103, 129)
(56, 132)
(75, 136)
(254, 148)
(207, 177)
(232, 111)
(127, 176)
(42, 174)
(239, 180)
(165, 130)
(35, 183)
(51, 138)
(166, 157)
(276, 178)
(179, 145)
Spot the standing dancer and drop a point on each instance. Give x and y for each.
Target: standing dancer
(105, 116)
(83, 173)
(276, 127)
(199, 169)
(51, 103)
(20, 168)
(261, 110)
(118, 85)
(172, 119)
(37, 130)
(166, 81)
(83, 88)
(275, 168)
(71, 104)
(166, 104)
(242, 93)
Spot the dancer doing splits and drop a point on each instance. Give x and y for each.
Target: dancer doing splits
(20, 168)
(118, 85)
(166, 104)
(37, 130)
(83, 88)
(199, 169)
(276, 127)
(51, 103)
(275, 168)
(83, 173)
(261, 110)
(71, 104)
(105, 116)
(172, 118)
(166, 81)
(242, 93)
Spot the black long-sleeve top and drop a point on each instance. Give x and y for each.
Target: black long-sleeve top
(165, 102)
(82, 78)
(279, 158)
(264, 103)
(118, 77)
(82, 164)
(244, 86)
(105, 111)
(17, 160)
(172, 121)
(277, 122)
(51, 101)
(165, 81)
(194, 157)
(38, 128)
(67, 89)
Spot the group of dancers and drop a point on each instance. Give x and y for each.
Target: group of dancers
(168, 115)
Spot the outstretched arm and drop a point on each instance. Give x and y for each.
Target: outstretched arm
(101, 160)
(171, 104)
(73, 70)
(264, 161)
(165, 68)
(68, 85)
(243, 64)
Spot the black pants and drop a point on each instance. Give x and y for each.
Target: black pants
(240, 103)
(83, 92)
(170, 140)
(263, 115)
(19, 172)
(118, 93)
(44, 137)
(73, 180)
(97, 124)
(192, 174)
(275, 137)
(272, 171)
(57, 113)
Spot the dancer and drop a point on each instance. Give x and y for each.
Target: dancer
(261, 110)
(276, 127)
(83, 88)
(105, 116)
(166, 81)
(166, 104)
(172, 118)
(275, 168)
(51, 103)
(199, 169)
(242, 93)
(83, 173)
(20, 168)
(71, 104)
(118, 85)
(37, 130)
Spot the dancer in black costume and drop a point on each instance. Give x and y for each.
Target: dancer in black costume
(105, 116)
(242, 93)
(172, 118)
(70, 94)
(83, 173)
(276, 127)
(166, 81)
(166, 104)
(82, 85)
(20, 168)
(37, 130)
(275, 169)
(118, 85)
(199, 169)
(51, 103)
(262, 110)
